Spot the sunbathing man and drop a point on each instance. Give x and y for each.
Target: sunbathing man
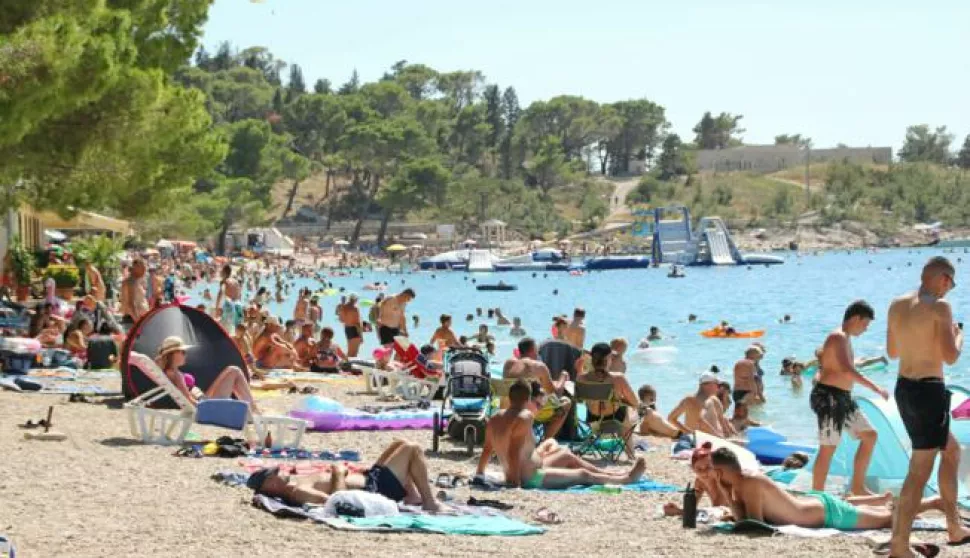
(705, 484)
(831, 399)
(549, 409)
(694, 407)
(752, 495)
(509, 436)
(653, 423)
(399, 474)
(271, 350)
(624, 399)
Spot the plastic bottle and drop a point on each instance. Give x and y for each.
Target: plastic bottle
(690, 508)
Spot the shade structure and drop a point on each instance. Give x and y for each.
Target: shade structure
(396, 248)
(211, 352)
(341, 243)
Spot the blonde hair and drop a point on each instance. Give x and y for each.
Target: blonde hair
(165, 361)
(619, 345)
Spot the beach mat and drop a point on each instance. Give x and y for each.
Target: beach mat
(469, 521)
(77, 390)
(643, 485)
(753, 527)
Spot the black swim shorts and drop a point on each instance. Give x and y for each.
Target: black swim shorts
(924, 407)
(351, 332)
(739, 394)
(387, 334)
(618, 415)
(381, 480)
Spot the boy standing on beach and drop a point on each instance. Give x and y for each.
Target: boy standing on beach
(831, 399)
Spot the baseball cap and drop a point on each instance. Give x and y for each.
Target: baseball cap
(707, 379)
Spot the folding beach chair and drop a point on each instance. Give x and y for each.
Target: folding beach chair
(419, 375)
(158, 426)
(602, 437)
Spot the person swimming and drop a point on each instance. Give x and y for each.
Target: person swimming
(654, 334)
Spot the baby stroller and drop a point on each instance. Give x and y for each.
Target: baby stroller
(467, 401)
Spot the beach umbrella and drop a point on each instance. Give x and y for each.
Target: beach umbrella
(396, 248)
(469, 241)
(341, 243)
(164, 244)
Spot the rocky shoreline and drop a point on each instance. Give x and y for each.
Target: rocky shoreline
(846, 235)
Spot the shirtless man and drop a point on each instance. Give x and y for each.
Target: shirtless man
(625, 400)
(483, 336)
(752, 495)
(704, 484)
(392, 320)
(96, 286)
(399, 474)
(923, 336)
(698, 412)
(302, 309)
(653, 423)
(508, 434)
(134, 301)
(316, 313)
(831, 399)
(349, 316)
(617, 364)
(517, 329)
(444, 335)
(745, 384)
(271, 350)
(549, 409)
(575, 333)
(305, 345)
(229, 306)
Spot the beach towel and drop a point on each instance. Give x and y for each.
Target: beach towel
(465, 520)
(643, 485)
(750, 526)
(230, 478)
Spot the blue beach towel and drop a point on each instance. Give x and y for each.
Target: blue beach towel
(440, 524)
(643, 485)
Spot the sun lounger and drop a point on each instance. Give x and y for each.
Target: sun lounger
(157, 426)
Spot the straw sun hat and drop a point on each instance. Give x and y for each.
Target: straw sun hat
(171, 344)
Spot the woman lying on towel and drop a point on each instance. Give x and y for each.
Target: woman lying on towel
(230, 382)
(399, 474)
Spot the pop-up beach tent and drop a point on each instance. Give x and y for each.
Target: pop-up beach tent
(890, 458)
(212, 348)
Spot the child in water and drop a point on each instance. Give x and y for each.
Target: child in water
(619, 347)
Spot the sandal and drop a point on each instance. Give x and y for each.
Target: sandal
(444, 480)
(547, 517)
(489, 504)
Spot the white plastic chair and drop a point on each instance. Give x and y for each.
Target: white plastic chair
(156, 426)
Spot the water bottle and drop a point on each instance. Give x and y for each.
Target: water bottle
(690, 508)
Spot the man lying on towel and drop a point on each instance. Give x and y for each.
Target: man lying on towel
(399, 474)
(508, 434)
(752, 495)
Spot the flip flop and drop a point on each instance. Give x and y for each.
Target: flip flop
(961, 542)
(444, 480)
(926, 550)
(548, 517)
(489, 504)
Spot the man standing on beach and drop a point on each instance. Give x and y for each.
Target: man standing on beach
(392, 320)
(922, 335)
(134, 303)
(575, 333)
(831, 399)
(349, 316)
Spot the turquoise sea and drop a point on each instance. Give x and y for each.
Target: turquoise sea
(813, 289)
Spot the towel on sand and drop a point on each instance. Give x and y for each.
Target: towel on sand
(752, 527)
(468, 521)
(643, 485)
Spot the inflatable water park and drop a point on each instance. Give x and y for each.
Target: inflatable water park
(675, 241)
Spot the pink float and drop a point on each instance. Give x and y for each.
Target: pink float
(326, 421)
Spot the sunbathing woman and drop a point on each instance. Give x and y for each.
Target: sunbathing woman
(230, 382)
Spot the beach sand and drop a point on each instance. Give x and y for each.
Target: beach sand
(98, 493)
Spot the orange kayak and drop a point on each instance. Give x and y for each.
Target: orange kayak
(736, 335)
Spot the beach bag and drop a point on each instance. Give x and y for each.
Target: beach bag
(359, 503)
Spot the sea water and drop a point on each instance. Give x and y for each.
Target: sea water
(813, 289)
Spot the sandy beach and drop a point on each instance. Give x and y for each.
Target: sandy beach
(101, 493)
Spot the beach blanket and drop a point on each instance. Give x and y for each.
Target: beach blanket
(463, 520)
(643, 485)
(77, 389)
(752, 527)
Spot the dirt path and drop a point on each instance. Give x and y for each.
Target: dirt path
(618, 200)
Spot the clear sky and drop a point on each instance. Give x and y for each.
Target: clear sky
(850, 71)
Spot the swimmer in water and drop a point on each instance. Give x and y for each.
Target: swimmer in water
(691, 318)
(786, 319)
(469, 318)
(555, 291)
(643, 344)
(517, 330)
(654, 334)
(500, 318)
(416, 320)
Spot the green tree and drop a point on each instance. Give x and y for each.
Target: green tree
(88, 117)
(416, 184)
(510, 116)
(641, 123)
(793, 139)
(322, 87)
(296, 86)
(922, 144)
(352, 85)
(672, 161)
(963, 157)
(548, 167)
(719, 132)
(493, 115)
